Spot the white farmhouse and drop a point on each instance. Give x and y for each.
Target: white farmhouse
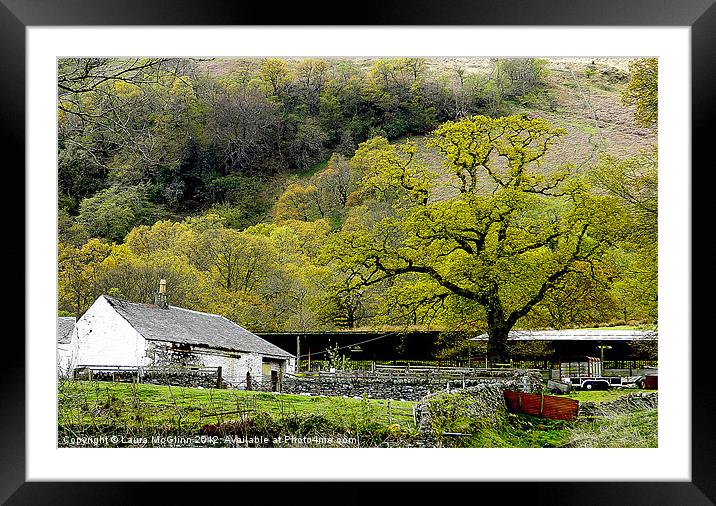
(116, 332)
(66, 344)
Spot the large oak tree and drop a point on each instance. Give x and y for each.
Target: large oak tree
(498, 227)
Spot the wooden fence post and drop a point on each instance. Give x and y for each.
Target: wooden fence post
(218, 377)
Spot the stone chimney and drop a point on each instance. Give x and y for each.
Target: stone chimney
(160, 298)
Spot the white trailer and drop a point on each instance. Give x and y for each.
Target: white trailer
(585, 373)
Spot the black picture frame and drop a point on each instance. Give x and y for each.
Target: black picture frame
(699, 15)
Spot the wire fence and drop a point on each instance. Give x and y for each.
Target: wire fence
(630, 364)
(110, 414)
(369, 365)
(540, 363)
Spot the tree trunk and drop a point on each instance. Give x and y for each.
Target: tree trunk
(350, 318)
(497, 331)
(497, 345)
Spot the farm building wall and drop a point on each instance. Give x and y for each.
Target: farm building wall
(272, 370)
(105, 338)
(67, 355)
(234, 365)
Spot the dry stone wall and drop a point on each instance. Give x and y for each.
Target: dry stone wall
(186, 378)
(173, 376)
(438, 412)
(624, 404)
(404, 388)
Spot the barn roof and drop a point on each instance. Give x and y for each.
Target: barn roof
(178, 325)
(65, 325)
(577, 335)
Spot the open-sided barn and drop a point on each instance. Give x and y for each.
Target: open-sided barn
(536, 348)
(614, 345)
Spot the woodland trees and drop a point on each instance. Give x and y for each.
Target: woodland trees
(643, 90)
(192, 139)
(633, 182)
(284, 195)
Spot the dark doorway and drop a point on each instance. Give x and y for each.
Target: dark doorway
(274, 381)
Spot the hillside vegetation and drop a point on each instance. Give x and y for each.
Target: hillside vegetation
(306, 194)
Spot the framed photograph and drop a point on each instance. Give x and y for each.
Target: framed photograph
(265, 215)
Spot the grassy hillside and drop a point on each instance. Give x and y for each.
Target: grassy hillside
(581, 95)
(587, 104)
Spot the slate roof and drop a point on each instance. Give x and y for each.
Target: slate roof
(65, 325)
(179, 325)
(577, 335)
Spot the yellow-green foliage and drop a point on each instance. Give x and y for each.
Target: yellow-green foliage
(643, 90)
(497, 236)
(511, 237)
(261, 277)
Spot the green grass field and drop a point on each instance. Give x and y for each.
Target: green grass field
(126, 408)
(140, 410)
(212, 405)
(639, 429)
(599, 395)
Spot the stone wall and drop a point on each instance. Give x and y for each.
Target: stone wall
(484, 405)
(403, 388)
(205, 378)
(624, 404)
(174, 376)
